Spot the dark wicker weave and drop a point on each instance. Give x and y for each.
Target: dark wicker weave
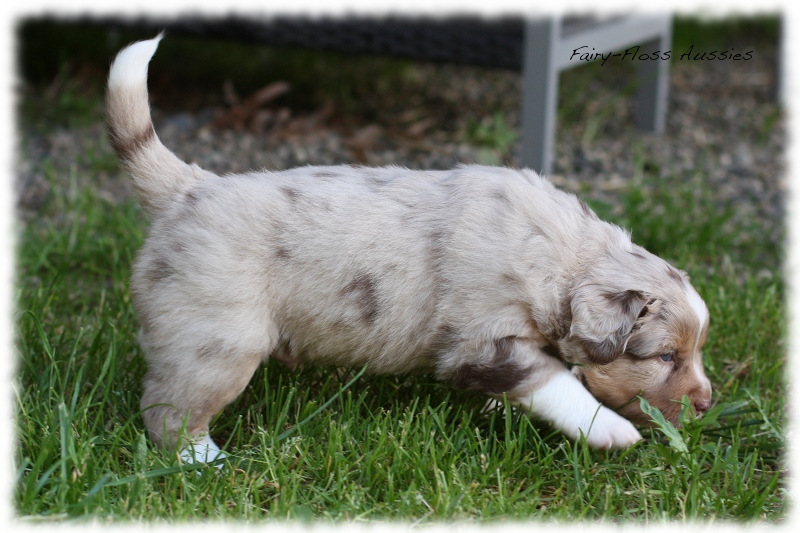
(461, 40)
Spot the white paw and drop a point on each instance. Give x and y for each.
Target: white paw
(565, 402)
(203, 450)
(609, 431)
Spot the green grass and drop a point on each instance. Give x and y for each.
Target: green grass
(494, 137)
(387, 447)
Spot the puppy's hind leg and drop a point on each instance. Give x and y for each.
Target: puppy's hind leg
(186, 385)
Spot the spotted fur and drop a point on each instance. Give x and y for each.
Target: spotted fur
(488, 278)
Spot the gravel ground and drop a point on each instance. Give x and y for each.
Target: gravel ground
(724, 127)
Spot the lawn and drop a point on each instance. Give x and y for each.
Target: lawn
(334, 445)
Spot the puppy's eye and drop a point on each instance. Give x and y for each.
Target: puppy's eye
(666, 357)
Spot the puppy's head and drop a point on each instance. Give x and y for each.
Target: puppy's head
(638, 328)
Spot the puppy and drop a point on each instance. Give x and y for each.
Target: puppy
(489, 278)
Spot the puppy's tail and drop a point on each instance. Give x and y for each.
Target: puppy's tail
(158, 175)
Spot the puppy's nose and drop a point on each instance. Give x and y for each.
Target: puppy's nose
(701, 406)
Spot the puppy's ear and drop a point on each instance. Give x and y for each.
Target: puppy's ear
(602, 320)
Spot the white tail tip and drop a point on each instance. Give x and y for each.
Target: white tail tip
(130, 66)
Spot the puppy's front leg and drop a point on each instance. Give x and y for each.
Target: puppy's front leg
(565, 402)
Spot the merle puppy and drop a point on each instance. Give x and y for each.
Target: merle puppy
(489, 278)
